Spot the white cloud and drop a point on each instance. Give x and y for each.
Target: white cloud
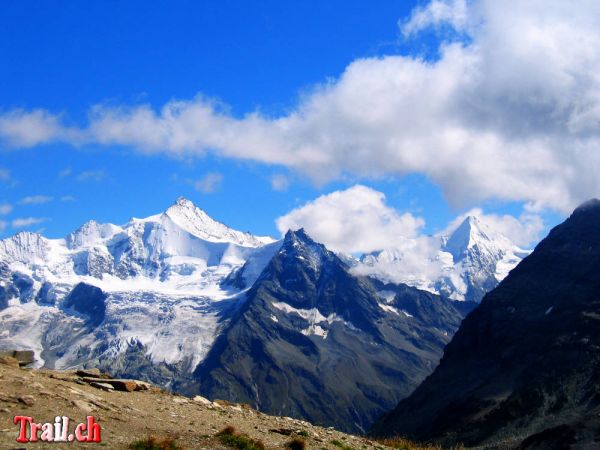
(209, 183)
(511, 112)
(67, 198)
(280, 183)
(91, 175)
(354, 220)
(35, 200)
(5, 209)
(453, 13)
(24, 222)
(20, 128)
(3, 225)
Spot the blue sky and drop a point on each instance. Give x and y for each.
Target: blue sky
(268, 58)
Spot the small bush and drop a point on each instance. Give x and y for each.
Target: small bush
(406, 444)
(154, 443)
(296, 444)
(229, 437)
(341, 445)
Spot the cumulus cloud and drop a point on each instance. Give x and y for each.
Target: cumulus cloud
(354, 220)
(510, 111)
(24, 222)
(35, 200)
(209, 183)
(5, 208)
(451, 13)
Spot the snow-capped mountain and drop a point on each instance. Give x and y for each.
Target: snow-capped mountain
(190, 304)
(162, 277)
(464, 265)
(315, 342)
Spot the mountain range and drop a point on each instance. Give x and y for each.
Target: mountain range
(464, 264)
(286, 325)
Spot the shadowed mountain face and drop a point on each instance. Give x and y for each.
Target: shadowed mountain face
(314, 341)
(523, 370)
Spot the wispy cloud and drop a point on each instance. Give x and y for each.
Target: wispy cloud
(4, 175)
(35, 200)
(67, 198)
(280, 182)
(3, 225)
(24, 222)
(209, 183)
(20, 128)
(65, 172)
(92, 175)
(5, 208)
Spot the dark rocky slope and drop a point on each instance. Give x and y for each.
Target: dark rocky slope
(523, 370)
(313, 341)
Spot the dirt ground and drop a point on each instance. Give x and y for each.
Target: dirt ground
(125, 417)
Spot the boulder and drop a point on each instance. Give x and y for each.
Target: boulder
(23, 357)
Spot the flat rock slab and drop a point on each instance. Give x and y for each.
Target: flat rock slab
(104, 386)
(120, 385)
(92, 373)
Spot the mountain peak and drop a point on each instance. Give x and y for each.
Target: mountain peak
(468, 234)
(589, 205)
(299, 245)
(185, 214)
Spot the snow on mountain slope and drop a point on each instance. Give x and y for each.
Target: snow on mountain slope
(465, 265)
(162, 278)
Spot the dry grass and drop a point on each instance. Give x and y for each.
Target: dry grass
(296, 444)
(155, 443)
(406, 444)
(231, 438)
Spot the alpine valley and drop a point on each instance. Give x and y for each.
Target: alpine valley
(286, 325)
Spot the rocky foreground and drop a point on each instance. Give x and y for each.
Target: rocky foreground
(139, 411)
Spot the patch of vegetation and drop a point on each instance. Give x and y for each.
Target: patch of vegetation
(296, 444)
(341, 445)
(229, 437)
(302, 433)
(406, 444)
(154, 443)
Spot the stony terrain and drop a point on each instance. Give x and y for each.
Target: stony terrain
(128, 416)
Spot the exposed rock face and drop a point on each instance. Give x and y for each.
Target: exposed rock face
(314, 341)
(88, 300)
(524, 367)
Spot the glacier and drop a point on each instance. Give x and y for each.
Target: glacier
(163, 278)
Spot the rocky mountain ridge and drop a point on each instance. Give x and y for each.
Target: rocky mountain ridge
(523, 370)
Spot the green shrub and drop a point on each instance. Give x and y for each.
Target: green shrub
(341, 445)
(229, 437)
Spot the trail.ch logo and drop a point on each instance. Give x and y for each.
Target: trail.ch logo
(88, 431)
